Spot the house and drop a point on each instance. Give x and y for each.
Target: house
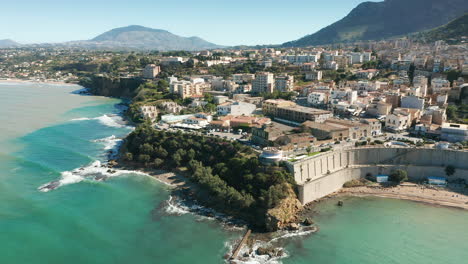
(268, 133)
(151, 71)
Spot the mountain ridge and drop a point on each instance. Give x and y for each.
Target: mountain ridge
(386, 19)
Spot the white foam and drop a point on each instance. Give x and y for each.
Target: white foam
(108, 120)
(110, 143)
(176, 208)
(93, 172)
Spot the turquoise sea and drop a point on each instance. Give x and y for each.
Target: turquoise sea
(53, 212)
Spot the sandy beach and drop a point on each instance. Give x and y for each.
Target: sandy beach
(453, 196)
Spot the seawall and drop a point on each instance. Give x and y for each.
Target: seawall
(326, 173)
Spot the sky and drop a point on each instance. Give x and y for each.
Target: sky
(224, 22)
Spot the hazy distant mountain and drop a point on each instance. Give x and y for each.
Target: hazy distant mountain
(143, 38)
(8, 43)
(451, 32)
(390, 18)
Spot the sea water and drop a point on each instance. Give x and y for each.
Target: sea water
(57, 205)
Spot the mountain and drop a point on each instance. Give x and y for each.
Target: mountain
(452, 32)
(143, 38)
(8, 43)
(390, 18)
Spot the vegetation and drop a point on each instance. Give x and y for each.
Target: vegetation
(230, 173)
(449, 170)
(458, 113)
(399, 176)
(354, 183)
(451, 32)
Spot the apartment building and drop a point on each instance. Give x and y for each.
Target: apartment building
(264, 82)
(284, 83)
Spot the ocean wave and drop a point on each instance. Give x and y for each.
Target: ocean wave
(94, 172)
(107, 120)
(248, 255)
(110, 143)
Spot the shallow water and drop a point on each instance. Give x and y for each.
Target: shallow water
(47, 132)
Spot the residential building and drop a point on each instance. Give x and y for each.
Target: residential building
(317, 99)
(412, 102)
(440, 85)
(314, 76)
(149, 112)
(264, 82)
(284, 83)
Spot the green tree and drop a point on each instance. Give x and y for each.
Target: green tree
(449, 170)
(399, 176)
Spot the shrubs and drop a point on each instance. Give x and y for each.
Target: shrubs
(229, 172)
(354, 183)
(399, 176)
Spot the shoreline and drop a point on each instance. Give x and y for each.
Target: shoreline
(36, 81)
(416, 193)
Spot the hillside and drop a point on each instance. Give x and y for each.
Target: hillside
(8, 43)
(451, 32)
(143, 38)
(390, 18)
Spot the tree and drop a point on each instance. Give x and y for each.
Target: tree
(449, 170)
(451, 112)
(308, 149)
(158, 162)
(399, 176)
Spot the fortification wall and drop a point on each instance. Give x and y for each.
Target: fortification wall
(326, 173)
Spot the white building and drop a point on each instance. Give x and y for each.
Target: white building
(412, 102)
(454, 132)
(440, 85)
(264, 82)
(235, 108)
(397, 122)
(316, 99)
(241, 78)
(314, 76)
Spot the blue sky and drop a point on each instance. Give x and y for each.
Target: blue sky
(223, 22)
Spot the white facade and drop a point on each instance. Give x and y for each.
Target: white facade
(236, 109)
(316, 98)
(412, 102)
(264, 82)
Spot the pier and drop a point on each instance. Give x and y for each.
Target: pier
(240, 245)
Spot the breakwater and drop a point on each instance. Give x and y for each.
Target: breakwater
(326, 173)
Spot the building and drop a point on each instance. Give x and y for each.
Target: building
(188, 89)
(284, 83)
(149, 112)
(454, 132)
(264, 82)
(440, 85)
(242, 78)
(290, 111)
(235, 108)
(268, 133)
(367, 74)
(151, 71)
(317, 99)
(170, 107)
(397, 122)
(338, 130)
(412, 102)
(314, 76)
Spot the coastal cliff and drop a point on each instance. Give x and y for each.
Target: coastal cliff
(112, 86)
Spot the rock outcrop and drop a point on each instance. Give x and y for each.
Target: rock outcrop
(283, 215)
